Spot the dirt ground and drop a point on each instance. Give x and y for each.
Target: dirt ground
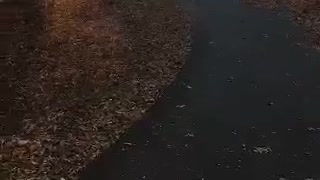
(85, 71)
(304, 12)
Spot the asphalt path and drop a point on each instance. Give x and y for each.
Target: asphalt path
(245, 107)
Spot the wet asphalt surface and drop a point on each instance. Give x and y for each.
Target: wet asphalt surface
(245, 107)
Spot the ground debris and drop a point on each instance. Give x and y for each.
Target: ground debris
(269, 4)
(189, 134)
(262, 150)
(181, 106)
(91, 69)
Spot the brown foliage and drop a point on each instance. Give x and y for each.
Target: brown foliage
(91, 70)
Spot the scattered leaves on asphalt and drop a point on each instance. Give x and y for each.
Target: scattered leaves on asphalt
(303, 12)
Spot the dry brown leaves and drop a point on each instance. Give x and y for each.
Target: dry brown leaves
(91, 72)
(307, 13)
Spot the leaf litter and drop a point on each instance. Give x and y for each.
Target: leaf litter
(86, 70)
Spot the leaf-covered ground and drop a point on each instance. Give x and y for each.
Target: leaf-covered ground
(85, 71)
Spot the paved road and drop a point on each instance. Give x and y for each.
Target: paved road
(245, 107)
